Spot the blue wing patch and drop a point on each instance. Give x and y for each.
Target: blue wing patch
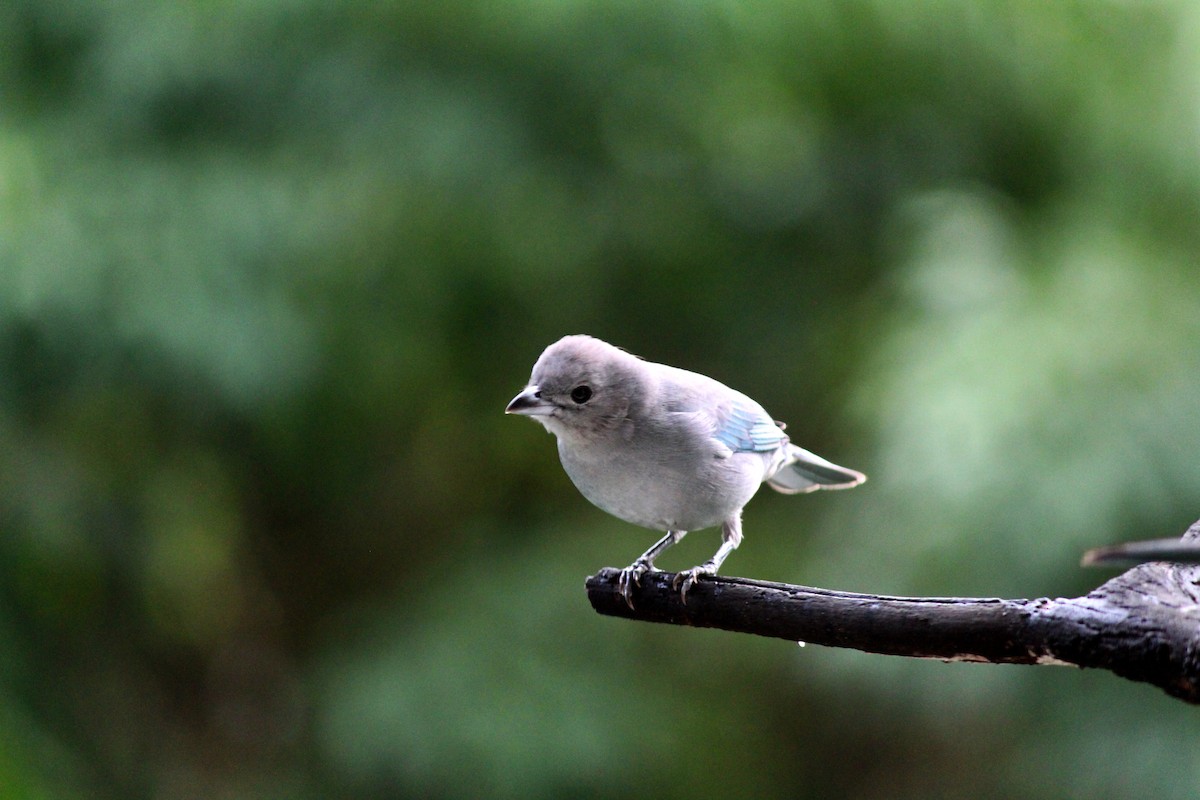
(748, 428)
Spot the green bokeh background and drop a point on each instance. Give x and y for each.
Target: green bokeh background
(270, 271)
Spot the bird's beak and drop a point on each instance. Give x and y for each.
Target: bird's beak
(530, 404)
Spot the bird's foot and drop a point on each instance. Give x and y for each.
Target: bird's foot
(632, 576)
(687, 579)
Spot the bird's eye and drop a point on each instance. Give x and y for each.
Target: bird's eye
(581, 394)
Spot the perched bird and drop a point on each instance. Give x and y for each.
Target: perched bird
(664, 448)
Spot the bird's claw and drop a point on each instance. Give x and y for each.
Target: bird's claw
(687, 579)
(632, 576)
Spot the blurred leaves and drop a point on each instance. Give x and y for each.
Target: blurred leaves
(269, 272)
(1045, 384)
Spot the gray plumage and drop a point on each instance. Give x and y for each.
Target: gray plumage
(664, 448)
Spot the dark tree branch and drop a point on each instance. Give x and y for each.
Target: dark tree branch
(1177, 550)
(1143, 625)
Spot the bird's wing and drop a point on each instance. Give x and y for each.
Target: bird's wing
(732, 421)
(743, 426)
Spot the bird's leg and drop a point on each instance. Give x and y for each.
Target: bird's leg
(731, 537)
(632, 575)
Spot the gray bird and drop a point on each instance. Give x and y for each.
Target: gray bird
(664, 448)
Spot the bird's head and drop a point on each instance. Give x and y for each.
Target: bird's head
(581, 388)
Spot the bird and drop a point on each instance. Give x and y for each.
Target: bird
(664, 448)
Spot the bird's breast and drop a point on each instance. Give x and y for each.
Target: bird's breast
(663, 491)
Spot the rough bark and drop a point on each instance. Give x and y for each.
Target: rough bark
(1143, 625)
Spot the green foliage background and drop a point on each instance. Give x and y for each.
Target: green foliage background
(269, 272)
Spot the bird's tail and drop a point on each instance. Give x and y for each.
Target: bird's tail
(802, 471)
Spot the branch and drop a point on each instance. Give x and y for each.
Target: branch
(1143, 625)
